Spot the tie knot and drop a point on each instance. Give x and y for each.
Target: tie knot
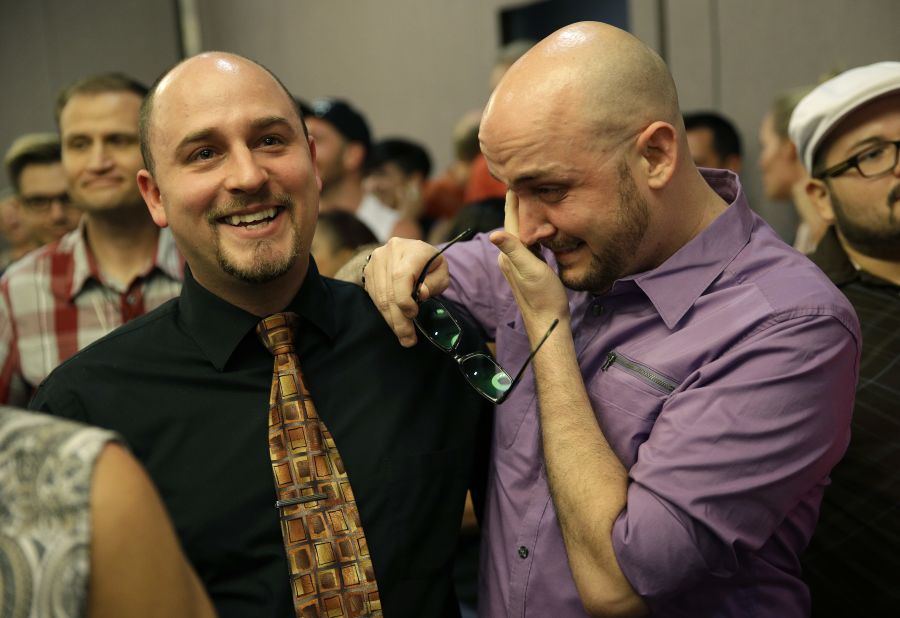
(277, 332)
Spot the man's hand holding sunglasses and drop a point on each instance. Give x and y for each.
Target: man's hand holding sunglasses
(390, 277)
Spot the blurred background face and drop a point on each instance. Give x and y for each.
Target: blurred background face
(45, 205)
(777, 161)
(330, 147)
(100, 150)
(700, 142)
(17, 234)
(388, 182)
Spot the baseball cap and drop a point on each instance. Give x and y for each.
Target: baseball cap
(819, 112)
(343, 117)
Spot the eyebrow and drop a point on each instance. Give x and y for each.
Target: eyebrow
(202, 135)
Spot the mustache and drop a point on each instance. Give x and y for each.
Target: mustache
(893, 196)
(241, 202)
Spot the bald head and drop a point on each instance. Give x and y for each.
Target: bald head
(589, 74)
(195, 68)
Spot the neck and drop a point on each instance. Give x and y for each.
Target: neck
(260, 299)
(888, 270)
(346, 195)
(124, 243)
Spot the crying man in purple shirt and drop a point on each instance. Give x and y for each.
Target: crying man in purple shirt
(666, 452)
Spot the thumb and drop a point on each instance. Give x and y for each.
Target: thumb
(522, 259)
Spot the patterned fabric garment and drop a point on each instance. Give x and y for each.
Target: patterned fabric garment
(46, 466)
(331, 570)
(55, 301)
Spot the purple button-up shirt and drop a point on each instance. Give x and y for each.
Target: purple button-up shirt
(724, 382)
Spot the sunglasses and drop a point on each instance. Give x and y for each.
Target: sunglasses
(443, 330)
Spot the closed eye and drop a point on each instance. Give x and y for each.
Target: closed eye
(550, 193)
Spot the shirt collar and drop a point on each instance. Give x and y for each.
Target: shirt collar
(675, 285)
(85, 268)
(218, 327)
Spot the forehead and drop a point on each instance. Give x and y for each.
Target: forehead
(217, 96)
(879, 119)
(42, 176)
(103, 110)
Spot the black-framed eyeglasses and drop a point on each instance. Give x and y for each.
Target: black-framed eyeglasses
(876, 160)
(42, 203)
(443, 330)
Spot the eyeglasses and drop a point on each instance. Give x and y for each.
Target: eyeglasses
(876, 160)
(443, 330)
(42, 203)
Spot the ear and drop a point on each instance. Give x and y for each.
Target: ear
(150, 192)
(312, 154)
(820, 196)
(658, 148)
(354, 156)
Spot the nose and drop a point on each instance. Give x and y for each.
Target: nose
(99, 160)
(59, 211)
(533, 224)
(245, 174)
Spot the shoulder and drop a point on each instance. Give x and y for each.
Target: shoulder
(788, 284)
(36, 263)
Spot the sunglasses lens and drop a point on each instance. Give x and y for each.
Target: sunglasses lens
(486, 376)
(438, 325)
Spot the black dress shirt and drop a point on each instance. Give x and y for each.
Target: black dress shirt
(852, 565)
(188, 387)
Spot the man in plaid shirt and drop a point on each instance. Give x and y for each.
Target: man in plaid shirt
(115, 266)
(847, 133)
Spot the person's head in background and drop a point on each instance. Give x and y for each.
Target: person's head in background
(343, 141)
(714, 141)
(98, 124)
(847, 133)
(397, 169)
(506, 57)
(33, 164)
(338, 236)
(16, 236)
(778, 162)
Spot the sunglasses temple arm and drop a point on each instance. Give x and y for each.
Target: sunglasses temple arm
(527, 362)
(465, 233)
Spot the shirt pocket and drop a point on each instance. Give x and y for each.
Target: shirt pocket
(628, 395)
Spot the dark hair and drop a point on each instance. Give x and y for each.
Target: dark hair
(31, 149)
(99, 84)
(408, 156)
(347, 231)
(147, 108)
(726, 140)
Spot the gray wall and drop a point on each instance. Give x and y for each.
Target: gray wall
(47, 44)
(415, 66)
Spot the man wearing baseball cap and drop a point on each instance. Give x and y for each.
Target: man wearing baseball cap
(343, 142)
(847, 132)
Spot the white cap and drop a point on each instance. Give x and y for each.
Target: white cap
(819, 112)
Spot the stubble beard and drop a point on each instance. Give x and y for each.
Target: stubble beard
(266, 264)
(882, 242)
(611, 261)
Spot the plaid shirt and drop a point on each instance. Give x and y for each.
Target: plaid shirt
(54, 302)
(852, 565)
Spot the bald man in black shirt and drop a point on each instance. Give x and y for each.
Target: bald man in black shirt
(230, 169)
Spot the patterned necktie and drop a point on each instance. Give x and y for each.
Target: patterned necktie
(331, 570)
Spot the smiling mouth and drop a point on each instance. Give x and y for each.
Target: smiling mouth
(251, 220)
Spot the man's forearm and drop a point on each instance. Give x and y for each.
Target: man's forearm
(587, 481)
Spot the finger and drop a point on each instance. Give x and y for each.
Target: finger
(520, 257)
(511, 214)
(381, 286)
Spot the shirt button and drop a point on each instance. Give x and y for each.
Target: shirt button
(523, 552)
(597, 309)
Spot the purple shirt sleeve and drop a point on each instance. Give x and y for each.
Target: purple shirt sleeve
(747, 441)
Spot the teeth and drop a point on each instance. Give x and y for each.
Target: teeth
(251, 218)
